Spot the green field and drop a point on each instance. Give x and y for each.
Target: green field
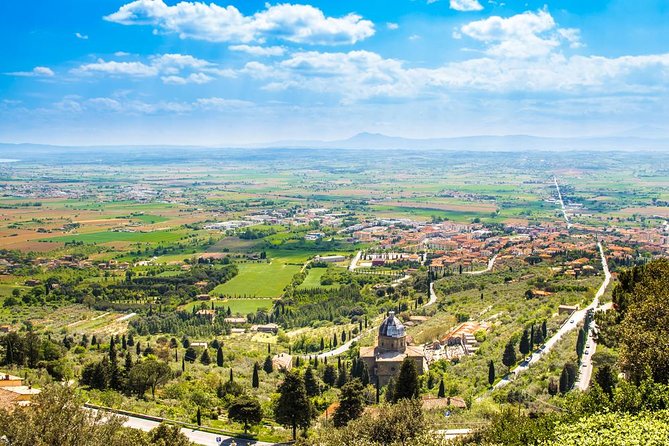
(313, 279)
(237, 306)
(109, 236)
(258, 280)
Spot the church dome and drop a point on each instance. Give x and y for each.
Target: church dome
(391, 327)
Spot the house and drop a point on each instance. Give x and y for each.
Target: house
(266, 328)
(282, 361)
(13, 393)
(209, 314)
(203, 297)
(235, 320)
(329, 259)
(567, 309)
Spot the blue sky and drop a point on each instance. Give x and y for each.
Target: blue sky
(242, 71)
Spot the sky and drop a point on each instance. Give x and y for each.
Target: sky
(89, 72)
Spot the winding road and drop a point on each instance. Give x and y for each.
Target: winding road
(570, 324)
(491, 264)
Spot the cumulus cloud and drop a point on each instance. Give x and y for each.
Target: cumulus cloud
(392, 26)
(303, 24)
(179, 69)
(361, 75)
(530, 34)
(81, 36)
(35, 72)
(466, 5)
(256, 50)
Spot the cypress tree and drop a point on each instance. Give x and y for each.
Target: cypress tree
(231, 376)
(509, 356)
(138, 349)
(255, 380)
(407, 381)
(268, 366)
(310, 382)
(564, 381)
(330, 375)
(219, 356)
(532, 337)
(491, 372)
(524, 346)
(205, 358)
(544, 329)
(199, 416)
(390, 390)
(442, 390)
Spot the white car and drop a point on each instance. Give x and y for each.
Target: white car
(571, 321)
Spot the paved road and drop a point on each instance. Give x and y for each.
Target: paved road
(433, 296)
(585, 372)
(491, 264)
(354, 262)
(570, 324)
(194, 435)
(564, 210)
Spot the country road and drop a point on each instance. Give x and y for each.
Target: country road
(571, 323)
(354, 261)
(564, 210)
(491, 264)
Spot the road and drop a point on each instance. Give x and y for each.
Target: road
(354, 262)
(564, 210)
(194, 435)
(571, 323)
(585, 371)
(491, 264)
(433, 296)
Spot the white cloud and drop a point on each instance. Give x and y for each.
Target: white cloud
(304, 24)
(121, 54)
(81, 36)
(414, 37)
(392, 26)
(466, 5)
(530, 34)
(179, 69)
(76, 104)
(255, 50)
(35, 72)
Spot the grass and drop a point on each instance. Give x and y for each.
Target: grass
(236, 305)
(313, 279)
(109, 236)
(258, 280)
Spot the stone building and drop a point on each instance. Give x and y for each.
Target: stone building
(385, 359)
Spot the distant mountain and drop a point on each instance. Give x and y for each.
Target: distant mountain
(367, 140)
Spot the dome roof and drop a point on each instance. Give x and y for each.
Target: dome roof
(391, 327)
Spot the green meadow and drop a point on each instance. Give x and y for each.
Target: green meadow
(109, 236)
(258, 280)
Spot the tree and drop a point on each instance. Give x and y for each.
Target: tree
(268, 366)
(524, 346)
(293, 408)
(255, 379)
(351, 403)
(166, 435)
(246, 410)
(442, 390)
(544, 329)
(198, 416)
(310, 382)
(606, 379)
(580, 343)
(219, 356)
(148, 374)
(390, 390)
(491, 372)
(552, 387)
(191, 354)
(57, 417)
(330, 375)
(407, 381)
(205, 358)
(509, 356)
(564, 381)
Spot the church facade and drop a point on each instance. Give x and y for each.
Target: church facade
(385, 359)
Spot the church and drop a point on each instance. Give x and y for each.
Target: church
(385, 359)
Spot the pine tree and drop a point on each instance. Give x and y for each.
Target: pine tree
(268, 366)
(442, 390)
(407, 381)
(191, 354)
(351, 403)
(524, 346)
(255, 380)
(293, 408)
(509, 356)
(219, 356)
(491, 372)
